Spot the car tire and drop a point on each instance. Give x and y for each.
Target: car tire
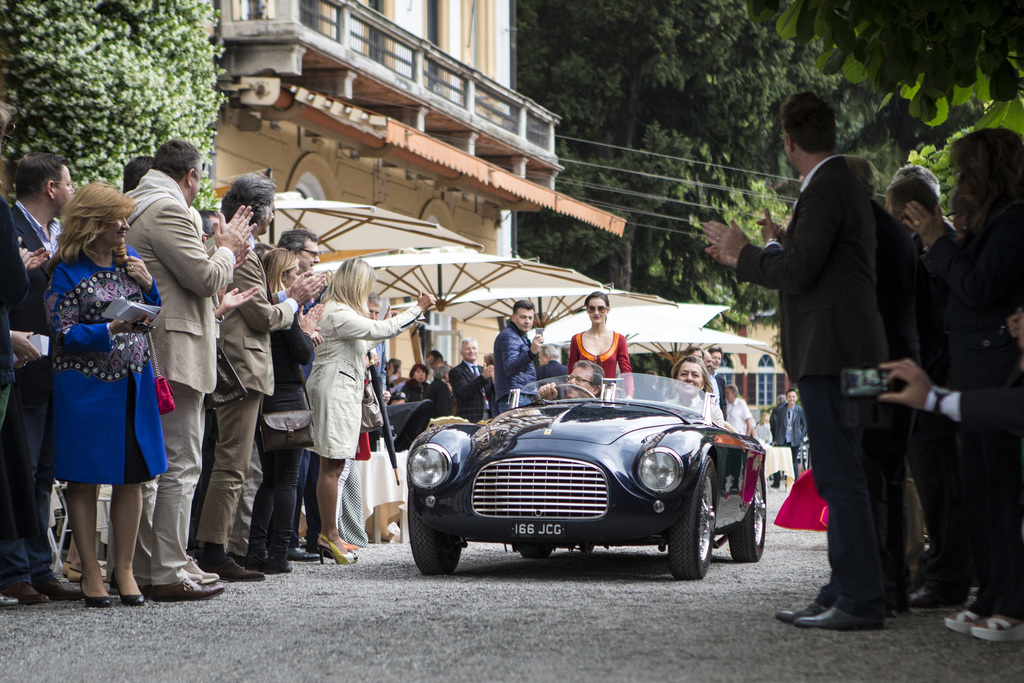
(691, 538)
(746, 544)
(434, 553)
(534, 551)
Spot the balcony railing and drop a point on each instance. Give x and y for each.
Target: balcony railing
(432, 72)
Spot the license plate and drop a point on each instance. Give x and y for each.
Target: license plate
(538, 530)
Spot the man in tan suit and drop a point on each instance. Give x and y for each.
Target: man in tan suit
(245, 340)
(166, 237)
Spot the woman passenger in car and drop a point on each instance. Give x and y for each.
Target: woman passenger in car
(691, 370)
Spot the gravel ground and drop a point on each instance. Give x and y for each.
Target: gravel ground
(611, 615)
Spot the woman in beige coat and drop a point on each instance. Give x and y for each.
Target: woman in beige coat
(336, 383)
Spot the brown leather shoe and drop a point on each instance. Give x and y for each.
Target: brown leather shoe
(231, 571)
(184, 591)
(25, 593)
(56, 590)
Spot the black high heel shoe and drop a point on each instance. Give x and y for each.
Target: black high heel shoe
(99, 601)
(133, 600)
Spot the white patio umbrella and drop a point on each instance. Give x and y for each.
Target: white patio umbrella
(555, 292)
(671, 343)
(447, 273)
(344, 227)
(634, 319)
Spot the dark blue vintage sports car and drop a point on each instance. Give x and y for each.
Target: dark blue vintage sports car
(574, 470)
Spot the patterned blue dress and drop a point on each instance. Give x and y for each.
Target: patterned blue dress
(103, 392)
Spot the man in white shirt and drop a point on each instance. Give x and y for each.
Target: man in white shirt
(737, 413)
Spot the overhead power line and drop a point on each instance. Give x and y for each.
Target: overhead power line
(673, 158)
(680, 181)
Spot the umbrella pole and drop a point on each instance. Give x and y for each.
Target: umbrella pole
(389, 438)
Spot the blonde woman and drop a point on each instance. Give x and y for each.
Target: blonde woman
(336, 383)
(290, 349)
(106, 422)
(692, 370)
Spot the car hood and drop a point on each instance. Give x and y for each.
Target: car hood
(586, 421)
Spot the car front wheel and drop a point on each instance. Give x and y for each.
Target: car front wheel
(690, 538)
(746, 544)
(434, 552)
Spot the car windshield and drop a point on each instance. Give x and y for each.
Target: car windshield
(643, 388)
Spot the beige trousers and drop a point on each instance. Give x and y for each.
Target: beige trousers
(160, 555)
(236, 423)
(238, 540)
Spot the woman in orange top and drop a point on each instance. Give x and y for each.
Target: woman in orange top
(599, 344)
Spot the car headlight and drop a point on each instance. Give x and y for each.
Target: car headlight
(429, 465)
(660, 469)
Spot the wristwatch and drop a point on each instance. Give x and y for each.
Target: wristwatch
(940, 396)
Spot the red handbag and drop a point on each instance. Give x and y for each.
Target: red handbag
(364, 447)
(164, 393)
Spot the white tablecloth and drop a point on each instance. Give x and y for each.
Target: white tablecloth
(778, 459)
(384, 501)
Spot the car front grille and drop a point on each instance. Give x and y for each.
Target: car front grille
(541, 487)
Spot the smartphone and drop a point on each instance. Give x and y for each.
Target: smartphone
(863, 382)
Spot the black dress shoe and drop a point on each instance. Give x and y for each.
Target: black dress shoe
(790, 616)
(300, 555)
(835, 619)
(99, 601)
(132, 600)
(926, 598)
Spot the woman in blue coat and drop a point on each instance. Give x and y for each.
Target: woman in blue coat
(106, 421)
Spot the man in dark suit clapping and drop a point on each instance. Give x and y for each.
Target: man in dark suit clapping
(469, 384)
(825, 270)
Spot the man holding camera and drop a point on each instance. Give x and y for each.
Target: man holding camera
(825, 272)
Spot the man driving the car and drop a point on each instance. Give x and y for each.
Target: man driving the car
(583, 382)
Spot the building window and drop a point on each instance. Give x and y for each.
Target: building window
(766, 381)
(376, 5)
(433, 22)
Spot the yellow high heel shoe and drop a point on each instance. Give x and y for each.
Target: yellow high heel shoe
(72, 575)
(339, 556)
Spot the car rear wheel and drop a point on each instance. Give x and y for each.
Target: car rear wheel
(746, 544)
(690, 538)
(534, 551)
(434, 552)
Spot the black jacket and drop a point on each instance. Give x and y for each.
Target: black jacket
(290, 349)
(826, 277)
(469, 391)
(14, 285)
(986, 284)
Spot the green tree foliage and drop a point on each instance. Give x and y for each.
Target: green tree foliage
(688, 81)
(934, 54)
(102, 82)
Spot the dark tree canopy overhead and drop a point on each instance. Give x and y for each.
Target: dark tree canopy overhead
(934, 54)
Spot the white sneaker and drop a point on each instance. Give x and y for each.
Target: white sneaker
(198, 575)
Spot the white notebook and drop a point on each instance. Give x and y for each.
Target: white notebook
(122, 309)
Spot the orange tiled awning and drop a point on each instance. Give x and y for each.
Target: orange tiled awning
(421, 149)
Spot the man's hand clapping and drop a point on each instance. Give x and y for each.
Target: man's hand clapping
(726, 242)
(33, 259)
(235, 234)
(306, 286)
(488, 372)
(770, 230)
(309, 320)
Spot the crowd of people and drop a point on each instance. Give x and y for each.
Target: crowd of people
(863, 285)
(137, 401)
